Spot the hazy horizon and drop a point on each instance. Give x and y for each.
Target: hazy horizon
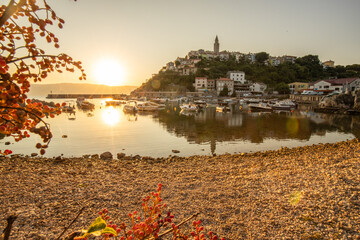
(142, 36)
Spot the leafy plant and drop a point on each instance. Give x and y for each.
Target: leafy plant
(23, 62)
(146, 227)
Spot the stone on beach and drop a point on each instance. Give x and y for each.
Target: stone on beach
(106, 156)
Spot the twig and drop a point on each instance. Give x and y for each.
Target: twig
(10, 220)
(66, 228)
(181, 223)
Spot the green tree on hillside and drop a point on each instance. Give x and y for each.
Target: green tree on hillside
(261, 57)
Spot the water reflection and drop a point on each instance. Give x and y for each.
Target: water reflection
(210, 126)
(110, 115)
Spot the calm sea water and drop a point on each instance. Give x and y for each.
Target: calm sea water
(205, 133)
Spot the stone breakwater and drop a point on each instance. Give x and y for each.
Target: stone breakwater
(310, 192)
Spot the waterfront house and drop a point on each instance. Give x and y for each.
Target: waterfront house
(339, 84)
(297, 87)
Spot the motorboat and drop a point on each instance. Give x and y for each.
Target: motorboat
(191, 107)
(285, 105)
(130, 107)
(83, 104)
(149, 106)
(260, 107)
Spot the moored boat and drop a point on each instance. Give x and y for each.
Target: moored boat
(83, 104)
(149, 106)
(260, 107)
(130, 107)
(189, 107)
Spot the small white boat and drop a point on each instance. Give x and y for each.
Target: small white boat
(285, 105)
(130, 107)
(189, 107)
(260, 107)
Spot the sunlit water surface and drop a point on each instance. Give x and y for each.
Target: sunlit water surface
(205, 133)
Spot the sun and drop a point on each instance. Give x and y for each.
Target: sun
(109, 72)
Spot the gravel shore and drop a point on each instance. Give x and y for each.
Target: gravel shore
(310, 192)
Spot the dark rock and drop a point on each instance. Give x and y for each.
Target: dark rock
(344, 101)
(120, 155)
(7, 143)
(86, 156)
(106, 156)
(64, 136)
(34, 154)
(95, 156)
(58, 158)
(357, 100)
(175, 151)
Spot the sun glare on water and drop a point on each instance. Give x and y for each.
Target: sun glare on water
(109, 72)
(111, 116)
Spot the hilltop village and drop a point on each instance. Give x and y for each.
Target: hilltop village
(224, 73)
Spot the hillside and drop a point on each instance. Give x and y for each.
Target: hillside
(304, 69)
(42, 90)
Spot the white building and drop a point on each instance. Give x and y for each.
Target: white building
(258, 87)
(340, 85)
(237, 76)
(222, 82)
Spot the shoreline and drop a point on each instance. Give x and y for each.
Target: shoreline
(302, 192)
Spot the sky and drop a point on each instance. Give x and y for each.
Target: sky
(138, 37)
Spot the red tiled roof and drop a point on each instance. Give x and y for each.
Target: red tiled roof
(200, 77)
(224, 79)
(338, 81)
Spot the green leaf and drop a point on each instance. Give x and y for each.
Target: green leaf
(109, 230)
(96, 227)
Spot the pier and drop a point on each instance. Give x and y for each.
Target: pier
(68, 95)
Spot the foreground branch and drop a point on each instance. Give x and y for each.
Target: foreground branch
(10, 220)
(181, 223)
(66, 228)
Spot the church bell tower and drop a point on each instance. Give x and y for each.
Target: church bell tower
(216, 45)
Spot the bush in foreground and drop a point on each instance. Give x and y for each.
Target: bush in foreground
(150, 224)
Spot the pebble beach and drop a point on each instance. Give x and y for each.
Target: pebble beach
(310, 192)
